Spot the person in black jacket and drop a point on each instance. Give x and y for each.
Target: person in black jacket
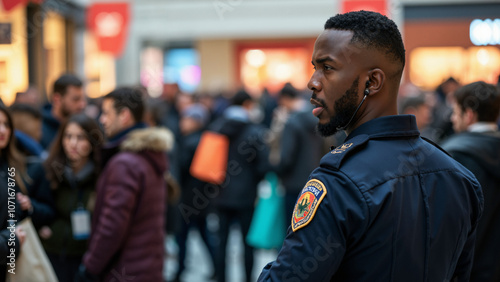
(301, 147)
(477, 147)
(38, 203)
(247, 164)
(67, 99)
(192, 123)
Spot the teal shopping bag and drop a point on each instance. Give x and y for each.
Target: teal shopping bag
(268, 229)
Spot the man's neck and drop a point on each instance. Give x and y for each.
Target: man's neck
(56, 113)
(125, 131)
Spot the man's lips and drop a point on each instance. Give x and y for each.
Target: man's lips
(318, 107)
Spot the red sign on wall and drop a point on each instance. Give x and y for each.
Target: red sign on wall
(379, 6)
(109, 22)
(11, 4)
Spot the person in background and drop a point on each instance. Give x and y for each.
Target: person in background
(418, 107)
(72, 169)
(441, 126)
(127, 240)
(476, 145)
(10, 161)
(301, 147)
(386, 205)
(67, 99)
(193, 121)
(28, 123)
(38, 202)
(247, 164)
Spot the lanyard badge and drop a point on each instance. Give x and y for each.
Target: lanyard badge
(80, 223)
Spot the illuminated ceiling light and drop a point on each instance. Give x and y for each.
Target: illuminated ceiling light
(483, 56)
(255, 58)
(283, 72)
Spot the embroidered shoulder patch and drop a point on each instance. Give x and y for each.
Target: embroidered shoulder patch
(311, 196)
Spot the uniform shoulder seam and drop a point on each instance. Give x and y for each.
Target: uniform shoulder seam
(365, 199)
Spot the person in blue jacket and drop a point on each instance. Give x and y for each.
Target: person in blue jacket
(386, 205)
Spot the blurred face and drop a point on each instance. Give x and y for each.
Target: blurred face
(75, 144)
(5, 130)
(183, 101)
(28, 124)
(459, 119)
(73, 102)
(110, 119)
(188, 125)
(286, 102)
(334, 82)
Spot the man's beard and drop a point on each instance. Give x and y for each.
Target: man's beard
(344, 108)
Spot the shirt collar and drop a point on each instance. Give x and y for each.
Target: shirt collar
(118, 137)
(483, 127)
(388, 126)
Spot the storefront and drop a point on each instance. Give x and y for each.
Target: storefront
(456, 40)
(38, 44)
(13, 50)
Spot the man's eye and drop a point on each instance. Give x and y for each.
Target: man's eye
(327, 67)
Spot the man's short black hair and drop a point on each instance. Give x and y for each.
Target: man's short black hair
(65, 80)
(372, 30)
(130, 98)
(240, 98)
(482, 98)
(26, 109)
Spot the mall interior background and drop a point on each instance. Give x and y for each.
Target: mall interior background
(215, 46)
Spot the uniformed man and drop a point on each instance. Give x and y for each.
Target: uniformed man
(386, 205)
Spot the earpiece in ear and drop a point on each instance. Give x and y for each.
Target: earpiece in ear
(367, 91)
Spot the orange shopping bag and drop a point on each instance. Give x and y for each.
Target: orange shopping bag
(210, 159)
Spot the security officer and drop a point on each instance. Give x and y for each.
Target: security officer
(386, 205)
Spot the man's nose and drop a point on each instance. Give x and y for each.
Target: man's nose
(314, 83)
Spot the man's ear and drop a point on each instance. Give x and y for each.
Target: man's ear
(471, 117)
(376, 80)
(56, 98)
(125, 117)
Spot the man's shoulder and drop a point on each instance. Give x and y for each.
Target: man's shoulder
(369, 162)
(466, 141)
(123, 160)
(338, 155)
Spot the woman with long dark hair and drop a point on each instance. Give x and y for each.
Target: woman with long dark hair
(11, 171)
(72, 172)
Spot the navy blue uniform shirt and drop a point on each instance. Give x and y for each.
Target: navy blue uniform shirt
(384, 206)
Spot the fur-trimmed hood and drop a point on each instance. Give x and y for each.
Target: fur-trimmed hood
(151, 138)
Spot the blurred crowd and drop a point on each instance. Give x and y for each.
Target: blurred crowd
(105, 180)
